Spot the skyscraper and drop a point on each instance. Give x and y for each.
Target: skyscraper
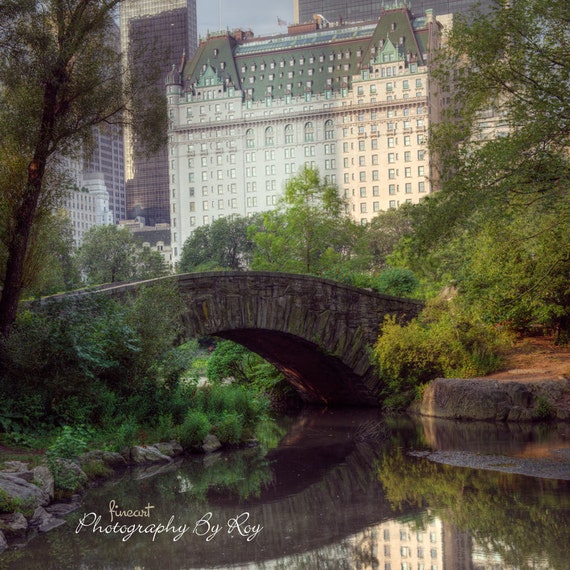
(357, 10)
(154, 35)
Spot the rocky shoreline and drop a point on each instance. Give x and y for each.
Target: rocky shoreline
(32, 491)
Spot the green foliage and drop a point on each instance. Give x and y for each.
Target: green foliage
(110, 254)
(67, 447)
(497, 229)
(442, 342)
(308, 231)
(224, 244)
(7, 503)
(228, 427)
(544, 410)
(194, 429)
(60, 77)
(397, 282)
(227, 361)
(126, 434)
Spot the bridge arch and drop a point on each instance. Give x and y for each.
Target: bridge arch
(316, 331)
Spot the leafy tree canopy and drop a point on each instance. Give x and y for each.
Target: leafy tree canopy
(498, 227)
(110, 254)
(224, 244)
(60, 75)
(308, 231)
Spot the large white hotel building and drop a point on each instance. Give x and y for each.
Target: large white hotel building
(354, 100)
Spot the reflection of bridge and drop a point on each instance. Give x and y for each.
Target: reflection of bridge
(316, 331)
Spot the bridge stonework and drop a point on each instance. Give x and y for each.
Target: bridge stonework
(316, 331)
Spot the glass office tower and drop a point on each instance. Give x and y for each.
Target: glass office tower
(154, 36)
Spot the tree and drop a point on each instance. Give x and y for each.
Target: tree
(59, 76)
(224, 244)
(309, 230)
(505, 165)
(110, 254)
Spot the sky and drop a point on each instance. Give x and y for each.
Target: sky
(259, 16)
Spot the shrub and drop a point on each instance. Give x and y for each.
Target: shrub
(441, 342)
(229, 427)
(67, 447)
(126, 434)
(194, 429)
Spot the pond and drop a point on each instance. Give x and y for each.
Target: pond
(326, 490)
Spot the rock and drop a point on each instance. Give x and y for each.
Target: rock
(211, 443)
(44, 521)
(148, 454)
(172, 448)
(15, 466)
(62, 509)
(109, 458)
(487, 399)
(44, 479)
(13, 525)
(72, 472)
(28, 494)
(3, 542)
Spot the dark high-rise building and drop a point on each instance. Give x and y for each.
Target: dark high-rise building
(154, 35)
(357, 10)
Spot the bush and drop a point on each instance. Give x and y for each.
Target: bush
(126, 434)
(397, 282)
(194, 429)
(229, 427)
(71, 442)
(441, 342)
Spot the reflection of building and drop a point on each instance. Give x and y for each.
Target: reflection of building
(354, 101)
(398, 545)
(358, 10)
(154, 34)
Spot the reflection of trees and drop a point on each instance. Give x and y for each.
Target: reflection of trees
(519, 518)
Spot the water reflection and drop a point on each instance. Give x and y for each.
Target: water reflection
(339, 491)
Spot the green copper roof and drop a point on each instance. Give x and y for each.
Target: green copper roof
(315, 62)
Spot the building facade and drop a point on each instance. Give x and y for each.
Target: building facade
(359, 10)
(355, 102)
(154, 35)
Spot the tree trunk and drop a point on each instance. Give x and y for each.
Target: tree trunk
(25, 213)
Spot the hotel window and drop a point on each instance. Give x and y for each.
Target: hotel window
(329, 130)
(289, 134)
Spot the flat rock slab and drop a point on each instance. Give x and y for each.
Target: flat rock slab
(555, 468)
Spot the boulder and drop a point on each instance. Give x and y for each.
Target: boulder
(211, 443)
(172, 448)
(21, 490)
(44, 479)
(3, 542)
(109, 458)
(44, 521)
(493, 400)
(15, 466)
(147, 454)
(13, 525)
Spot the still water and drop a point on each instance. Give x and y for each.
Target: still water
(326, 490)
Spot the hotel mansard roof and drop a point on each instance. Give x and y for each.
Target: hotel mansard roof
(319, 60)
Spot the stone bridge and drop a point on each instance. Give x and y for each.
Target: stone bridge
(316, 331)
